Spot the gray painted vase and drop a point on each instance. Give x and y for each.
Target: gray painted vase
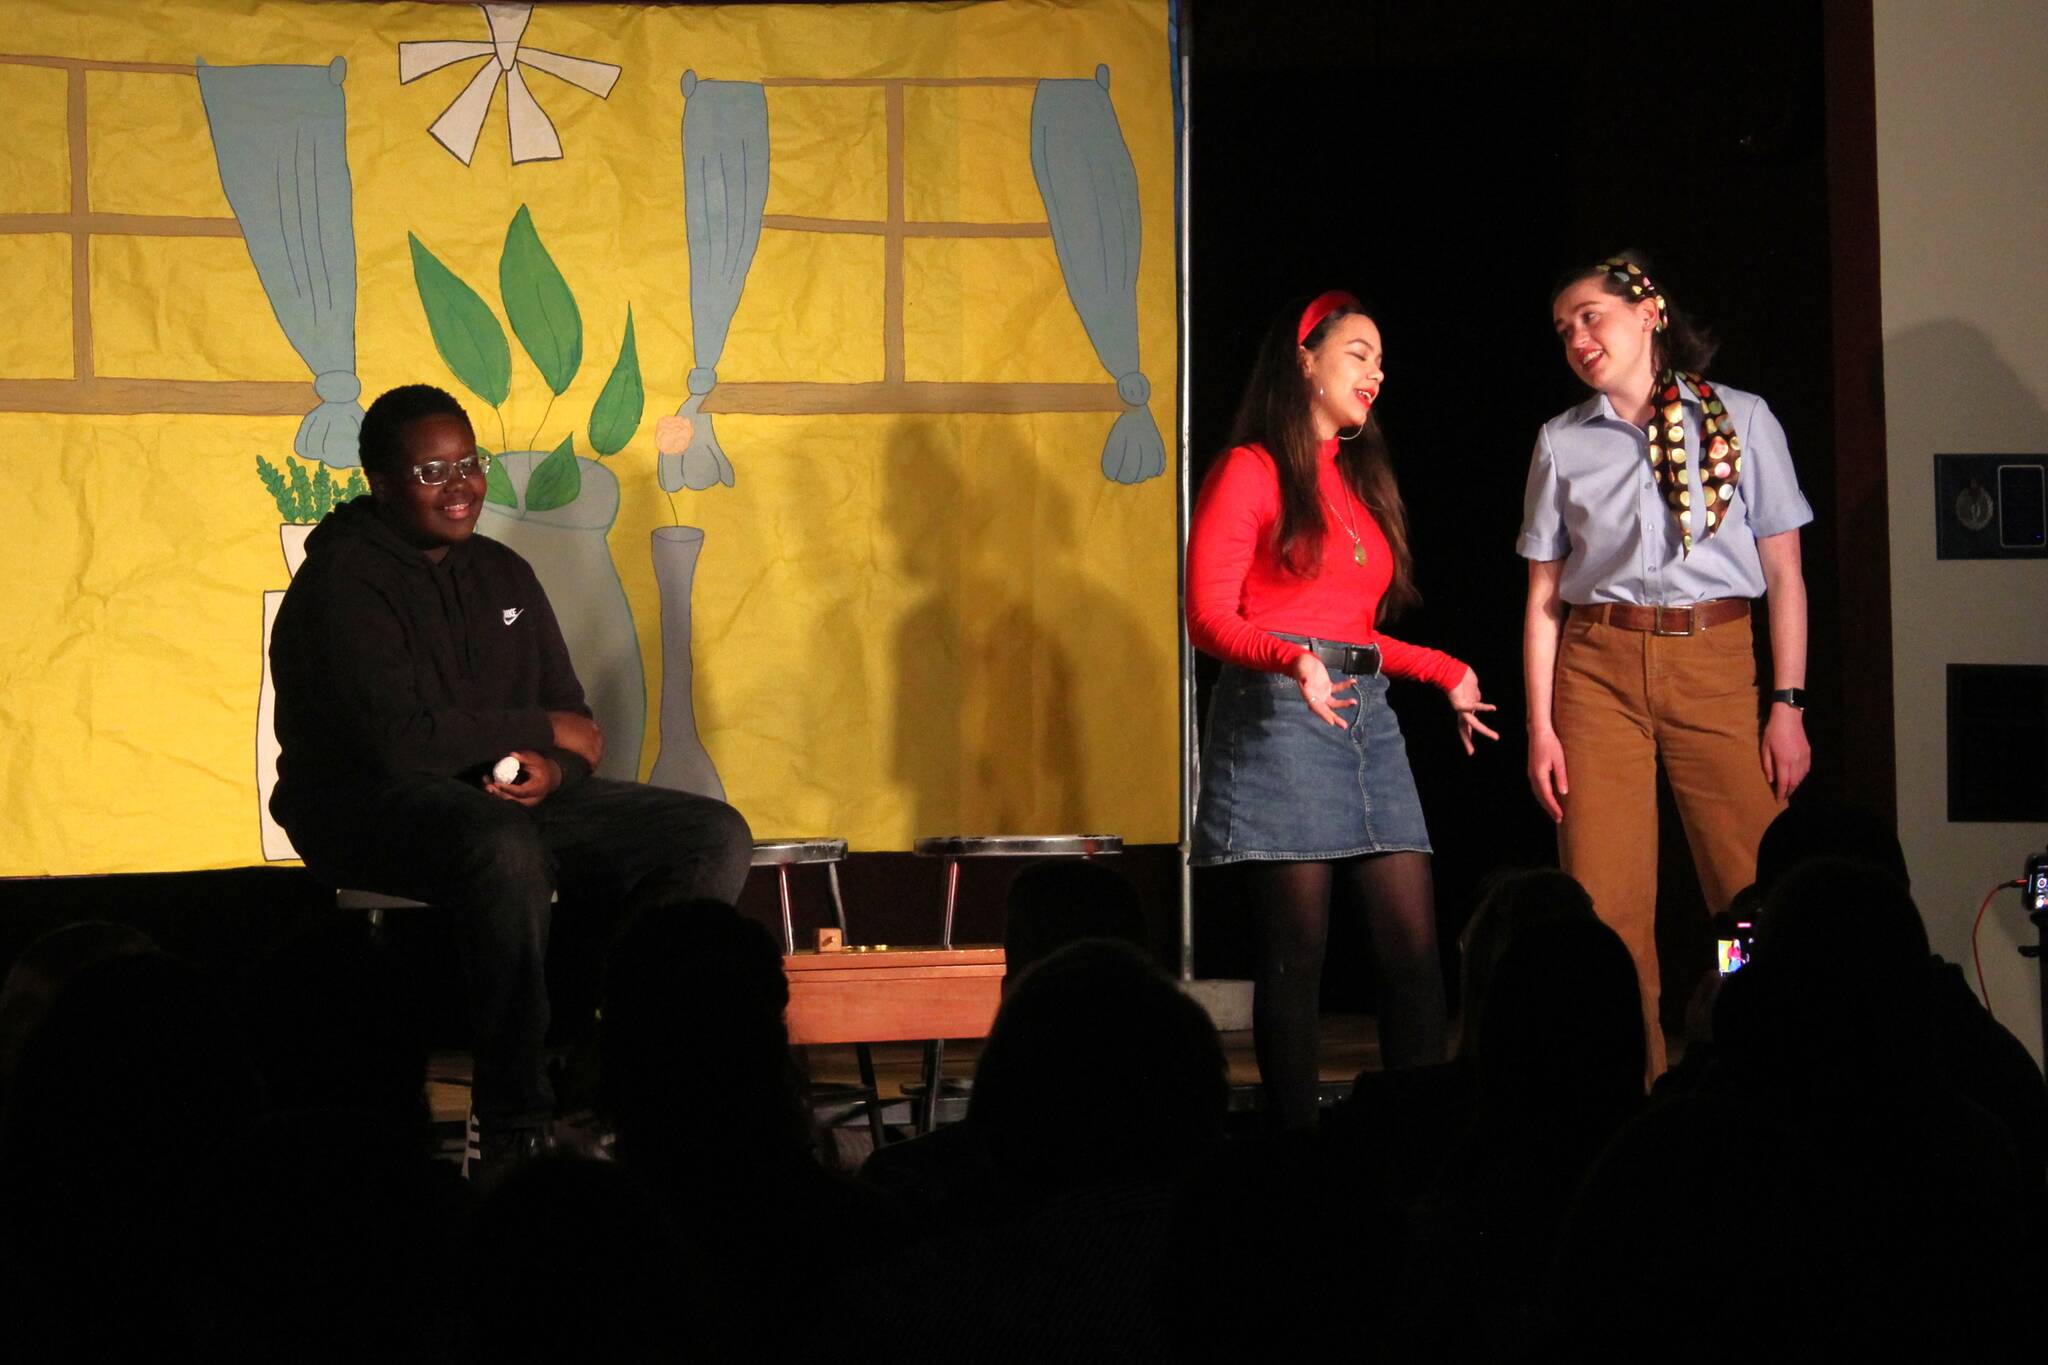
(566, 547)
(683, 763)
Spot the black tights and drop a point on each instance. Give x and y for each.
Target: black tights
(1293, 902)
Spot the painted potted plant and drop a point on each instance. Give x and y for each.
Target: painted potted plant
(303, 499)
(553, 505)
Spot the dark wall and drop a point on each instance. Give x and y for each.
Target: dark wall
(1446, 163)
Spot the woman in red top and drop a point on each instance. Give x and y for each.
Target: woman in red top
(1298, 547)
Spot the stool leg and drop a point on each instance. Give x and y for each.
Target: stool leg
(952, 895)
(877, 1130)
(861, 1052)
(934, 1065)
(838, 901)
(788, 923)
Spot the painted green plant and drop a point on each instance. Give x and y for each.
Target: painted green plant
(303, 500)
(544, 316)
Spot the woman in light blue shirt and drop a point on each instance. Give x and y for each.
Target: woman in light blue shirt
(1657, 512)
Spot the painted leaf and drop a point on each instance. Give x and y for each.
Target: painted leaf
(273, 479)
(555, 481)
(302, 492)
(538, 301)
(466, 331)
(497, 483)
(617, 414)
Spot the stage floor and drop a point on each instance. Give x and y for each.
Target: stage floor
(1350, 1045)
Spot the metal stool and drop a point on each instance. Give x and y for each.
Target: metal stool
(954, 847)
(782, 855)
(373, 904)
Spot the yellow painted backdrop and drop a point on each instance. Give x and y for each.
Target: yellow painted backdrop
(904, 624)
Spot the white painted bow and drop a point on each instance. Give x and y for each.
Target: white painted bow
(461, 123)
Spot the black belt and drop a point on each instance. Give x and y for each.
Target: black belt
(1363, 660)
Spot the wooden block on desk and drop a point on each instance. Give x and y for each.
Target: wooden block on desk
(831, 940)
(893, 995)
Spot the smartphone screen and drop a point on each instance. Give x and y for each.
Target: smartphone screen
(1733, 954)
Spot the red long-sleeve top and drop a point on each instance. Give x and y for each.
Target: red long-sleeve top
(1238, 592)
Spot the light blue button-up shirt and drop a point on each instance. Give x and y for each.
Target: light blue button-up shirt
(1593, 502)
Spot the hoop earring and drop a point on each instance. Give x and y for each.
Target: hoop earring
(1352, 434)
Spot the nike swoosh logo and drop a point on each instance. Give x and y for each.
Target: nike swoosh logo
(512, 614)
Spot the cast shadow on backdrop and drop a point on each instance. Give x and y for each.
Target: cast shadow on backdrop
(993, 731)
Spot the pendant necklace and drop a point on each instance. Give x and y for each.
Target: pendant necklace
(1357, 545)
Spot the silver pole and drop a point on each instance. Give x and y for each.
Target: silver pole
(1190, 760)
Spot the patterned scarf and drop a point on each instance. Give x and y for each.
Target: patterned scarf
(1721, 462)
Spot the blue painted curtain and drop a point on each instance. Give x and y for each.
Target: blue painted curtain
(1090, 188)
(279, 134)
(725, 191)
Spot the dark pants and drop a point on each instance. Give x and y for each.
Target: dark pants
(496, 864)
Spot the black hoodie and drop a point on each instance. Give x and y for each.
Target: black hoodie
(386, 663)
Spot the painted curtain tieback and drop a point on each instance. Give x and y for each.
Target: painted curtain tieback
(280, 143)
(532, 133)
(725, 194)
(1089, 185)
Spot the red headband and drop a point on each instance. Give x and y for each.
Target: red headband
(1323, 305)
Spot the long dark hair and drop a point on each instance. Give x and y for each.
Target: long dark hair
(1685, 344)
(1274, 413)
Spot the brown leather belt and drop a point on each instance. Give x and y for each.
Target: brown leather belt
(1687, 620)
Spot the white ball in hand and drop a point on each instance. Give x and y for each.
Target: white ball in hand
(506, 770)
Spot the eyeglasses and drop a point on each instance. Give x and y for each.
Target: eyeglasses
(434, 473)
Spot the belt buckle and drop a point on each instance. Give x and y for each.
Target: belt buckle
(1691, 621)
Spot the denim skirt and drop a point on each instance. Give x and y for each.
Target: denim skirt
(1280, 783)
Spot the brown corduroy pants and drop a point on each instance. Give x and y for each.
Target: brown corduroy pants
(1624, 701)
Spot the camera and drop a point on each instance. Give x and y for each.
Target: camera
(2037, 886)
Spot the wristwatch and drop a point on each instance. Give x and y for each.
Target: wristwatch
(1794, 697)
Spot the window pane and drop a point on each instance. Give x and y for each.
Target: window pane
(149, 148)
(968, 155)
(991, 310)
(812, 311)
(184, 308)
(827, 153)
(35, 278)
(35, 158)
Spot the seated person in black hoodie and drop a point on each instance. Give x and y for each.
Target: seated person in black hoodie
(411, 656)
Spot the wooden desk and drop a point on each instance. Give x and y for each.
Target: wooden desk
(892, 994)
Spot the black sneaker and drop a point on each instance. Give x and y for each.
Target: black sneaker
(501, 1147)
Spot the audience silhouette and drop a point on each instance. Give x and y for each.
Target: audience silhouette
(696, 1077)
(1851, 1161)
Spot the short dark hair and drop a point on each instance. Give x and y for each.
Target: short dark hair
(1824, 829)
(1062, 901)
(381, 444)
